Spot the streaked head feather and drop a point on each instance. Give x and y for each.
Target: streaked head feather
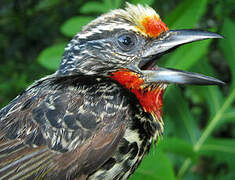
(140, 18)
(145, 18)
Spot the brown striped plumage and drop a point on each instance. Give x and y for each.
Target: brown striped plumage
(75, 148)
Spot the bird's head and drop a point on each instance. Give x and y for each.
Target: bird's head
(125, 44)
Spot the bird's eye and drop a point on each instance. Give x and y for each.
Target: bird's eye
(126, 41)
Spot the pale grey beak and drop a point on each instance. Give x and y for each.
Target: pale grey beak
(167, 41)
(168, 76)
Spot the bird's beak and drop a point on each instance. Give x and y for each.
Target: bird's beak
(167, 41)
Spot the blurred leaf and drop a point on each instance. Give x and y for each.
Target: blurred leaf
(169, 126)
(186, 56)
(155, 166)
(222, 149)
(229, 116)
(178, 109)
(218, 145)
(50, 57)
(229, 176)
(72, 26)
(193, 176)
(186, 14)
(43, 4)
(227, 46)
(211, 94)
(140, 176)
(177, 146)
(148, 2)
(208, 130)
(114, 4)
(98, 7)
(93, 7)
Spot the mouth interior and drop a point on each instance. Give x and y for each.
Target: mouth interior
(151, 65)
(170, 75)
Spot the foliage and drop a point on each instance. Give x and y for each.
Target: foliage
(198, 142)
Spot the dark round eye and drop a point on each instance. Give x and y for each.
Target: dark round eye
(126, 41)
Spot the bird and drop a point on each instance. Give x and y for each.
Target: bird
(97, 116)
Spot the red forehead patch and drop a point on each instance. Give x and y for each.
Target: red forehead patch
(153, 26)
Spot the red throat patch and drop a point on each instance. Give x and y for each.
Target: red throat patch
(150, 99)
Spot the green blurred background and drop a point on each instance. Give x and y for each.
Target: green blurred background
(198, 142)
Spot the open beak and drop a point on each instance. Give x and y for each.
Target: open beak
(172, 39)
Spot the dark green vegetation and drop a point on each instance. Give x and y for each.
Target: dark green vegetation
(198, 142)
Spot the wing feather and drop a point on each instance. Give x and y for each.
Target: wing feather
(61, 132)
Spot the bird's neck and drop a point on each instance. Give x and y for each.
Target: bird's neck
(150, 98)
